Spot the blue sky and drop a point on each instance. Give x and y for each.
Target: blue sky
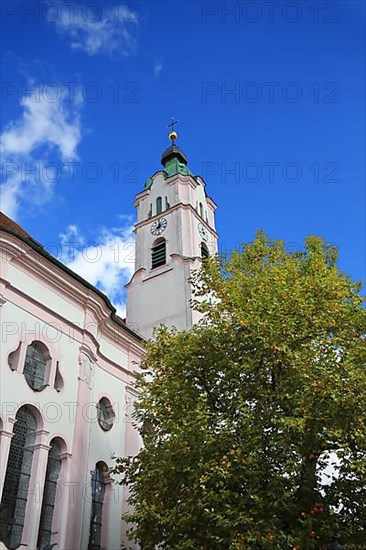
(271, 103)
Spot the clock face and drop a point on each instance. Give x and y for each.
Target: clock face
(203, 232)
(158, 226)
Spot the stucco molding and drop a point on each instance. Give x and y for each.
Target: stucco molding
(86, 366)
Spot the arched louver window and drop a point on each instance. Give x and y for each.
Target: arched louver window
(35, 365)
(49, 495)
(158, 253)
(15, 491)
(159, 205)
(98, 491)
(201, 209)
(204, 251)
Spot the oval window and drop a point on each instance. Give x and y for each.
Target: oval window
(105, 414)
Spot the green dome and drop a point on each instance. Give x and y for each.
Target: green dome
(174, 162)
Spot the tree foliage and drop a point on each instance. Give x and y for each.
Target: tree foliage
(254, 421)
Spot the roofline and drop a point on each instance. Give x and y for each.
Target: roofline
(39, 248)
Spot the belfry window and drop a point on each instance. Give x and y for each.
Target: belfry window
(159, 205)
(204, 251)
(49, 495)
(15, 492)
(158, 253)
(201, 209)
(98, 491)
(35, 365)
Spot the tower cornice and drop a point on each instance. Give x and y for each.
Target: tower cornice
(185, 206)
(171, 180)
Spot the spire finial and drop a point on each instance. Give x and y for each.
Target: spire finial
(172, 134)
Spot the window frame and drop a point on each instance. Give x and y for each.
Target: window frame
(49, 494)
(17, 478)
(99, 475)
(158, 253)
(159, 205)
(205, 253)
(30, 370)
(105, 414)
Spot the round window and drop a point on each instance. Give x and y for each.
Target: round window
(105, 414)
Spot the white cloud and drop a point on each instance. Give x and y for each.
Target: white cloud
(158, 66)
(107, 262)
(72, 234)
(98, 28)
(44, 128)
(42, 122)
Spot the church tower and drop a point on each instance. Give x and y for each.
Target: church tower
(175, 229)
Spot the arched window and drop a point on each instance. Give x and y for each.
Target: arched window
(159, 205)
(15, 492)
(201, 209)
(98, 491)
(204, 251)
(158, 253)
(49, 495)
(105, 414)
(36, 360)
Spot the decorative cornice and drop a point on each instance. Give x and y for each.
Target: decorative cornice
(6, 433)
(31, 257)
(65, 455)
(42, 432)
(185, 206)
(42, 446)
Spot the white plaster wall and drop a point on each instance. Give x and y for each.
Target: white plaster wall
(161, 295)
(70, 325)
(161, 299)
(102, 445)
(33, 287)
(181, 235)
(17, 324)
(176, 189)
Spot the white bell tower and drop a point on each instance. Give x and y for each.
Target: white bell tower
(175, 228)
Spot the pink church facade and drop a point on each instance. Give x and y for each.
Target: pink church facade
(68, 365)
(66, 393)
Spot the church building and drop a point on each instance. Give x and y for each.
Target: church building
(68, 363)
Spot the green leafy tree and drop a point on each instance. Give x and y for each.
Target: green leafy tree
(254, 421)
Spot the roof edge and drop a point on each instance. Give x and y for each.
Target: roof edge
(37, 247)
